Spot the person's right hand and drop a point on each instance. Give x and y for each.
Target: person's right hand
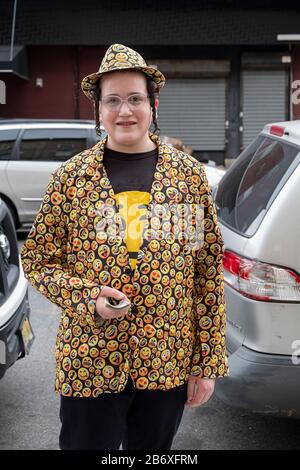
(106, 312)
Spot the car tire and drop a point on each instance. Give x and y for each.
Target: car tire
(12, 212)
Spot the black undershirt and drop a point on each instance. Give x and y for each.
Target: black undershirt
(130, 171)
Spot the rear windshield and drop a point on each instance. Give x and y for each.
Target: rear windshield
(252, 183)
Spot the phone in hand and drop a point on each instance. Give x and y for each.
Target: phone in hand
(115, 304)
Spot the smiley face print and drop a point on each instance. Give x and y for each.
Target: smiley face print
(68, 259)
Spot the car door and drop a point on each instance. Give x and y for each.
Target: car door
(8, 138)
(40, 151)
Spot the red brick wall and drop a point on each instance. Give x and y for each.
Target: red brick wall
(55, 99)
(62, 69)
(89, 62)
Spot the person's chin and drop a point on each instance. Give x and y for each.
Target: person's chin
(127, 130)
(127, 135)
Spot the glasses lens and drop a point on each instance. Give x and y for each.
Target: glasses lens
(112, 102)
(136, 100)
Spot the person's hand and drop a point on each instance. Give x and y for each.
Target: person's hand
(199, 391)
(106, 312)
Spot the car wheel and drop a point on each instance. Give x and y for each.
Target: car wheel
(12, 212)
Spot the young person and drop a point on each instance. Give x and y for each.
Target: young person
(117, 222)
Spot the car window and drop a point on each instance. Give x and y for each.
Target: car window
(7, 140)
(52, 144)
(249, 187)
(95, 138)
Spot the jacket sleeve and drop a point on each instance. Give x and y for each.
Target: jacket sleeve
(210, 356)
(44, 254)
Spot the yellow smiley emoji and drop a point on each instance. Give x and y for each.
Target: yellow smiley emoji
(83, 373)
(115, 358)
(142, 383)
(145, 353)
(150, 300)
(112, 345)
(108, 372)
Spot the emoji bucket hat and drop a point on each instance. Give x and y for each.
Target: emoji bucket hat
(120, 57)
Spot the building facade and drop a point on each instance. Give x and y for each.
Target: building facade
(227, 71)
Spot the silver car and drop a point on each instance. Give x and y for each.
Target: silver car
(258, 208)
(30, 150)
(16, 334)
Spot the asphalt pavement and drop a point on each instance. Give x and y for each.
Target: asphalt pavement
(29, 408)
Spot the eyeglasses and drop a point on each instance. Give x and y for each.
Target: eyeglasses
(134, 101)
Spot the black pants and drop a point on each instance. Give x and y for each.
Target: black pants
(139, 419)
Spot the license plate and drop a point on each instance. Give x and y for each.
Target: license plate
(27, 335)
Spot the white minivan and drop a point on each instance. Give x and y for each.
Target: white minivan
(258, 205)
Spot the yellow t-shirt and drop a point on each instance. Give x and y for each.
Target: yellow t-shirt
(133, 209)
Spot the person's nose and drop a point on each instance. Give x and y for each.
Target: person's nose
(124, 109)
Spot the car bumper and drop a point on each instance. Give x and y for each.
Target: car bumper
(16, 336)
(261, 383)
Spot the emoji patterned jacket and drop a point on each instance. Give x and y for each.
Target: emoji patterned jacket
(177, 324)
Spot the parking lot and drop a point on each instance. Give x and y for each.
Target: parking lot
(29, 407)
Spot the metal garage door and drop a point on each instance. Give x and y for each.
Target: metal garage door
(264, 100)
(193, 110)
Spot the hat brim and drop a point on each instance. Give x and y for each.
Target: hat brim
(90, 82)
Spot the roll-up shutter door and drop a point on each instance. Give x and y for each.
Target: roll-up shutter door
(193, 110)
(264, 100)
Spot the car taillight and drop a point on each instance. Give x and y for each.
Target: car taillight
(277, 130)
(260, 281)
